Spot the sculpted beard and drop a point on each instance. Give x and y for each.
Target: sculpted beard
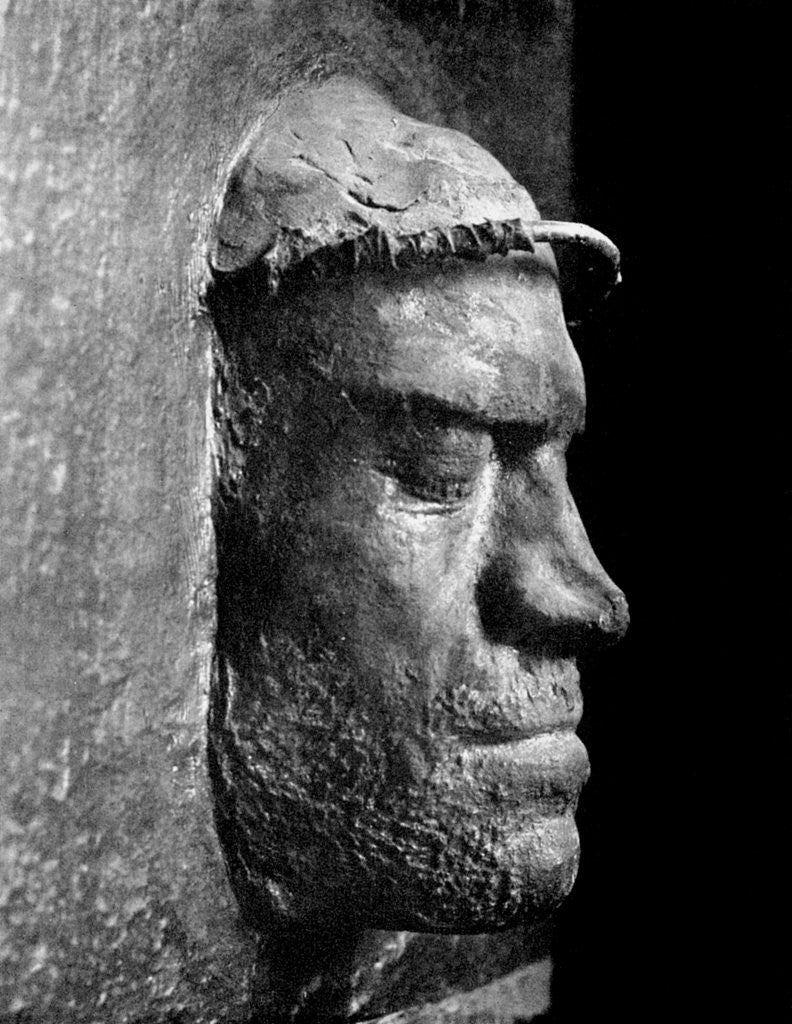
(333, 813)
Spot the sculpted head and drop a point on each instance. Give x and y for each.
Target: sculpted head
(404, 581)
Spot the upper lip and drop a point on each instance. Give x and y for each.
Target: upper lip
(528, 706)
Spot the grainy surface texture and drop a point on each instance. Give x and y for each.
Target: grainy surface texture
(119, 121)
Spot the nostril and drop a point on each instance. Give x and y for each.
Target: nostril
(614, 622)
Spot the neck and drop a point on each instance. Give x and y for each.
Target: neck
(362, 976)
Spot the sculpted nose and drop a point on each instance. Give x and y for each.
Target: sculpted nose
(542, 588)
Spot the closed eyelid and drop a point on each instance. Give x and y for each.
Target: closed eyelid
(455, 454)
(433, 460)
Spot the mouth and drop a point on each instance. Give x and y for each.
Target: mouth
(547, 770)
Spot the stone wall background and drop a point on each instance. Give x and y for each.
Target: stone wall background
(119, 118)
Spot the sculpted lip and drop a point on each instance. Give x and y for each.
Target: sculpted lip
(512, 736)
(522, 709)
(550, 766)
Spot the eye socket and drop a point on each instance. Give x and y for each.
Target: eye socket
(435, 456)
(516, 442)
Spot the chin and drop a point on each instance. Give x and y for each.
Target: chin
(482, 841)
(476, 879)
(486, 884)
(481, 880)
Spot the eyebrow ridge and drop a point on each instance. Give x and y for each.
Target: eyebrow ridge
(379, 399)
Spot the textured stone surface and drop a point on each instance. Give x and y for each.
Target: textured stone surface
(119, 121)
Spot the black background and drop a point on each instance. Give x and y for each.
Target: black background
(680, 911)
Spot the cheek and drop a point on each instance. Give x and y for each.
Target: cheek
(382, 569)
(431, 556)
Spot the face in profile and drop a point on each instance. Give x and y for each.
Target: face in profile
(405, 585)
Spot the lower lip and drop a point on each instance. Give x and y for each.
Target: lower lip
(549, 766)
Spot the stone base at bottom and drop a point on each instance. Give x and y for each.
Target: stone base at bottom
(513, 999)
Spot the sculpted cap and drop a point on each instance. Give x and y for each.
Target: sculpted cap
(334, 173)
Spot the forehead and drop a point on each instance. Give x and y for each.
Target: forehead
(486, 338)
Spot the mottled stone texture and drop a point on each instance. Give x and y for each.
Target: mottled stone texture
(120, 119)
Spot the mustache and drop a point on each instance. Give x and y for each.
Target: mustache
(475, 693)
